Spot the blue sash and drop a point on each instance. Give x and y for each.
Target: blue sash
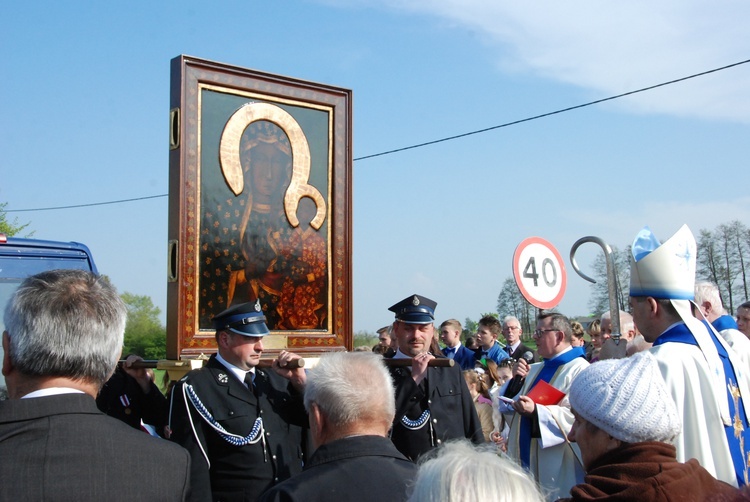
(724, 322)
(547, 372)
(738, 434)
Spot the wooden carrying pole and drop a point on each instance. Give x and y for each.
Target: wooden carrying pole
(300, 363)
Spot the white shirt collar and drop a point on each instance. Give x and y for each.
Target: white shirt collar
(52, 391)
(238, 372)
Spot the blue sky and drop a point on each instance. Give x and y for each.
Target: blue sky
(85, 101)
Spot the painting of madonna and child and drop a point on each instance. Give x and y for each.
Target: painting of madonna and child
(264, 232)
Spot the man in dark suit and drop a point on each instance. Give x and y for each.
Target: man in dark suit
(433, 404)
(64, 334)
(512, 332)
(242, 425)
(349, 398)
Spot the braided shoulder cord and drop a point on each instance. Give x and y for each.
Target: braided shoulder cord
(255, 434)
(418, 423)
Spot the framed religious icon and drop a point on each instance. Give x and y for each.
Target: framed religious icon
(259, 207)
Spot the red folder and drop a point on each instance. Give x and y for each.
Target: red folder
(544, 394)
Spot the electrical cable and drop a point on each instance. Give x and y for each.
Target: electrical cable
(441, 140)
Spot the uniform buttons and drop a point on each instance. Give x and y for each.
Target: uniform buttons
(274, 457)
(450, 391)
(434, 420)
(276, 480)
(268, 434)
(414, 398)
(439, 441)
(429, 401)
(231, 413)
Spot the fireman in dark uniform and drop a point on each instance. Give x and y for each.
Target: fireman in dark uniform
(433, 404)
(130, 395)
(242, 425)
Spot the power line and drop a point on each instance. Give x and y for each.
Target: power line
(507, 124)
(87, 205)
(441, 140)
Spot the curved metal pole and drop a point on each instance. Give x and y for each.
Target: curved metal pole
(614, 307)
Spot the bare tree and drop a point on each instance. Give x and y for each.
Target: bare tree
(709, 263)
(599, 300)
(740, 231)
(722, 256)
(510, 301)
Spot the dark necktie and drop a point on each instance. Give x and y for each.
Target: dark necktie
(250, 382)
(509, 350)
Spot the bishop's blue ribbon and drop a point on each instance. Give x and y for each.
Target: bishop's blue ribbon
(738, 439)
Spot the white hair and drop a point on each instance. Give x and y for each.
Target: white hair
(709, 292)
(66, 323)
(461, 472)
(626, 320)
(509, 318)
(350, 387)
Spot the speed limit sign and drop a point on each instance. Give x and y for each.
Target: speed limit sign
(539, 272)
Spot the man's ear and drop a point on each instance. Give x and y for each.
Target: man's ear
(559, 337)
(221, 339)
(7, 365)
(317, 416)
(318, 425)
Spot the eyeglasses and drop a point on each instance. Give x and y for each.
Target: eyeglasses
(539, 332)
(511, 328)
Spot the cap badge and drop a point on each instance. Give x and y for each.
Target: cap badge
(257, 305)
(415, 301)
(222, 377)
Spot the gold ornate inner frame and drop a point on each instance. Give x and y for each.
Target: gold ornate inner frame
(259, 207)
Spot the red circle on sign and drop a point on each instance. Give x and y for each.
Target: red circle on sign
(533, 279)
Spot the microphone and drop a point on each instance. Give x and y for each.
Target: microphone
(515, 384)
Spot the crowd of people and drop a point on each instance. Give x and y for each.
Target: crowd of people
(653, 407)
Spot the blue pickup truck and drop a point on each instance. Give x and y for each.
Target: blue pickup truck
(20, 258)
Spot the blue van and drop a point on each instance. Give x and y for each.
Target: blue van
(20, 258)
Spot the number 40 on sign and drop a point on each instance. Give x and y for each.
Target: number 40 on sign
(539, 272)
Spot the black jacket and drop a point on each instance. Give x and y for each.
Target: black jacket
(122, 398)
(238, 472)
(359, 468)
(523, 349)
(452, 412)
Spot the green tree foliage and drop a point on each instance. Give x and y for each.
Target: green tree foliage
(366, 338)
(144, 334)
(10, 228)
(469, 329)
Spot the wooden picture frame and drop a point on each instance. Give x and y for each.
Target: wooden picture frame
(259, 207)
